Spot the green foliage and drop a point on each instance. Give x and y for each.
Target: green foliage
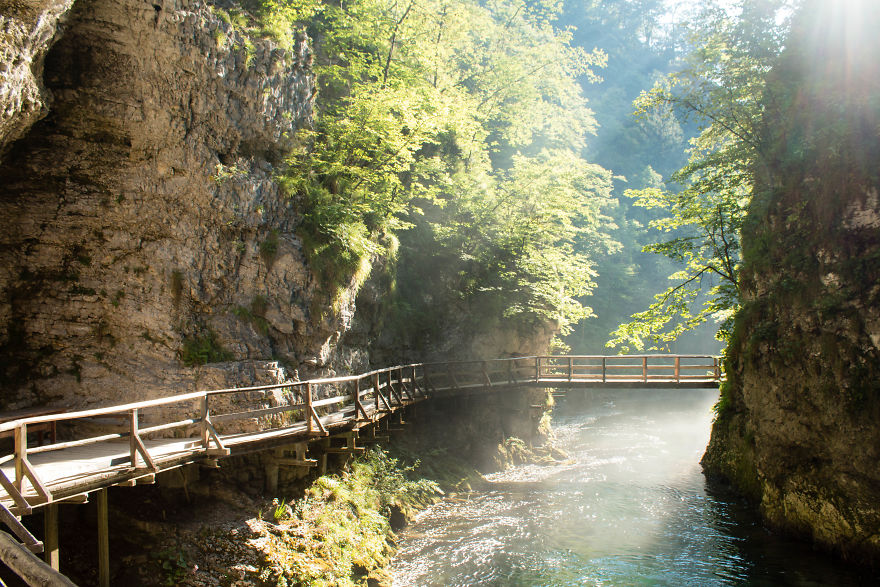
(200, 349)
(340, 529)
(173, 566)
(255, 314)
(459, 126)
(269, 248)
(721, 86)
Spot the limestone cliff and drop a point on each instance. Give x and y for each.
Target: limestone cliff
(798, 421)
(143, 230)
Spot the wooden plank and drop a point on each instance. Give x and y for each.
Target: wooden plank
(256, 413)
(76, 443)
(330, 401)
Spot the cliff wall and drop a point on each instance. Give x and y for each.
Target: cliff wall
(143, 231)
(797, 427)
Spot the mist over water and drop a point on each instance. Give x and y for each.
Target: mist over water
(630, 508)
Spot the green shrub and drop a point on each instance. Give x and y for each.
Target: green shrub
(200, 349)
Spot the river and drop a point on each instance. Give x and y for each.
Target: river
(631, 507)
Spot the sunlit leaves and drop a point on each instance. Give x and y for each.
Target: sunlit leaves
(721, 87)
(465, 120)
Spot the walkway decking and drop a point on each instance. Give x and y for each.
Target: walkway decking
(69, 469)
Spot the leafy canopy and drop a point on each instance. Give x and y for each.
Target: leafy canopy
(721, 87)
(459, 125)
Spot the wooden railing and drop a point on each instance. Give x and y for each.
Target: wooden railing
(629, 368)
(310, 407)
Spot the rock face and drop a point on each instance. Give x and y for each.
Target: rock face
(798, 421)
(27, 27)
(143, 228)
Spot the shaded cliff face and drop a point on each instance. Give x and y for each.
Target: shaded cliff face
(27, 29)
(142, 226)
(798, 425)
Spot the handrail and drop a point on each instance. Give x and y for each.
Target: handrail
(390, 388)
(195, 395)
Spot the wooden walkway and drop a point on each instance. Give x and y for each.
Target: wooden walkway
(70, 468)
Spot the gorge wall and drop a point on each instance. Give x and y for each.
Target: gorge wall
(144, 232)
(797, 428)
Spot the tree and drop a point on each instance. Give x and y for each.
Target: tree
(720, 87)
(456, 126)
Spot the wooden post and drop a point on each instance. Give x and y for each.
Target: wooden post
(717, 364)
(645, 369)
(677, 369)
(50, 538)
(271, 470)
(428, 386)
(205, 416)
(20, 455)
(604, 369)
(322, 460)
(417, 390)
(133, 448)
(570, 369)
(310, 426)
(537, 369)
(404, 392)
(103, 539)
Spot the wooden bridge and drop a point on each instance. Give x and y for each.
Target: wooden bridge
(68, 470)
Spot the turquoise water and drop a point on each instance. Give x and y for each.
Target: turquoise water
(630, 508)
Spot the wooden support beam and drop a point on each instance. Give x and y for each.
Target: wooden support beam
(27, 566)
(139, 448)
(321, 430)
(28, 540)
(103, 538)
(221, 450)
(50, 536)
(358, 406)
(45, 494)
(322, 460)
(22, 507)
(379, 395)
(75, 499)
(344, 450)
(271, 471)
(292, 462)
